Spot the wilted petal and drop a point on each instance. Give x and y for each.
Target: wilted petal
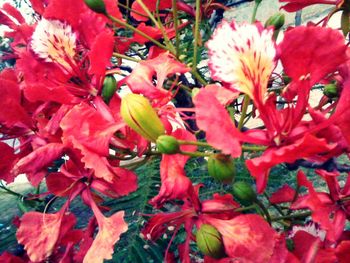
(213, 118)
(243, 56)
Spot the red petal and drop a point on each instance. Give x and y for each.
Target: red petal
(9, 258)
(295, 5)
(151, 5)
(101, 53)
(38, 6)
(141, 79)
(283, 195)
(7, 162)
(212, 118)
(175, 183)
(65, 11)
(298, 56)
(39, 159)
(306, 147)
(108, 234)
(39, 233)
(12, 11)
(248, 237)
(123, 183)
(342, 251)
(342, 113)
(90, 129)
(223, 95)
(12, 113)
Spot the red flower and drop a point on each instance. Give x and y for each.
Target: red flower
(246, 237)
(327, 209)
(248, 69)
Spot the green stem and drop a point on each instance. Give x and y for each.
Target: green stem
(196, 154)
(118, 55)
(266, 212)
(301, 215)
(130, 27)
(131, 10)
(255, 10)
(196, 35)
(198, 77)
(246, 102)
(176, 26)
(253, 148)
(9, 191)
(205, 144)
(242, 209)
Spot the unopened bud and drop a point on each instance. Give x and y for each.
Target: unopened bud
(209, 241)
(168, 144)
(221, 168)
(138, 113)
(277, 21)
(331, 90)
(244, 192)
(97, 6)
(109, 88)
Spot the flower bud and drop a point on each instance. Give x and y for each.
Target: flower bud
(109, 88)
(222, 168)
(209, 241)
(244, 192)
(97, 6)
(331, 90)
(277, 20)
(168, 144)
(138, 113)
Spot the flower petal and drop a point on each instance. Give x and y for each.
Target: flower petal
(243, 56)
(212, 118)
(306, 147)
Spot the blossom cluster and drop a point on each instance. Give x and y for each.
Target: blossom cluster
(61, 102)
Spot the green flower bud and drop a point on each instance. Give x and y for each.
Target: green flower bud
(244, 192)
(168, 144)
(209, 241)
(138, 113)
(97, 6)
(331, 90)
(109, 88)
(277, 20)
(221, 168)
